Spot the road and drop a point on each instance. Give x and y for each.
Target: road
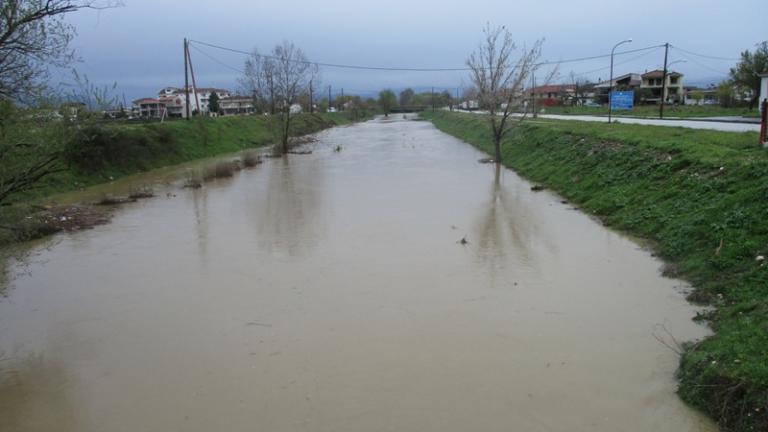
(726, 126)
(693, 124)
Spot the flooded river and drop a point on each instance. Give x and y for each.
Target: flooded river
(330, 292)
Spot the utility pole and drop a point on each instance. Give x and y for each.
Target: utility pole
(194, 83)
(533, 95)
(664, 82)
(432, 98)
(186, 76)
(458, 101)
(311, 100)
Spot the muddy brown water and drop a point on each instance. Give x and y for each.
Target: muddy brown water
(328, 292)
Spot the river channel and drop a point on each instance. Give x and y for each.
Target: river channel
(331, 292)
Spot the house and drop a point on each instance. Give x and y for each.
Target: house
(652, 86)
(198, 97)
(150, 108)
(549, 95)
(236, 105)
(626, 82)
(700, 96)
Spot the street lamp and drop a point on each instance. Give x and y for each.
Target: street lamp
(610, 83)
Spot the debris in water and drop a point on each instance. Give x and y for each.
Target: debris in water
(337, 149)
(463, 241)
(486, 160)
(537, 188)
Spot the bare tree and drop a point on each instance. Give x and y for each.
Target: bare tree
(282, 77)
(258, 81)
(33, 37)
(499, 77)
(580, 86)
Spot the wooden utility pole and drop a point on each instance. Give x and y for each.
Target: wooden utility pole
(432, 98)
(194, 83)
(533, 95)
(664, 82)
(311, 100)
(186, 76)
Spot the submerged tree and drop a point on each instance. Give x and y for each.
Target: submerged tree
(387, 101)
(282, 77)
(499, 75)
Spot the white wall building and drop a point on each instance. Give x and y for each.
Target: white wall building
(763, 88)
(197, 97)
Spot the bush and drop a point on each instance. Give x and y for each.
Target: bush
(96, 147)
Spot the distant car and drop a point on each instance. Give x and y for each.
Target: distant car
(591, 104)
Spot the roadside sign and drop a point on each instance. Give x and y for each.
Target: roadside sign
(622, 100)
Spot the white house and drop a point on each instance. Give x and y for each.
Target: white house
(199, 96)
(763, 87)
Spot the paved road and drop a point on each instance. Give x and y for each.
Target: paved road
(726, 126)
(693, 124)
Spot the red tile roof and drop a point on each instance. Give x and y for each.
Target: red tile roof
(660, 74)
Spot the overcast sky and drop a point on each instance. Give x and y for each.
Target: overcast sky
(139, 45)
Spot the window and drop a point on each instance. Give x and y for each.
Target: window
(673, 80)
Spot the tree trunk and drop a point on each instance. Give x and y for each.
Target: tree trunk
(497, 148)
(286, 128)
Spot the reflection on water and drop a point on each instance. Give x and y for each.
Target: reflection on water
(327, 292)
(288, 215)
(34, 396)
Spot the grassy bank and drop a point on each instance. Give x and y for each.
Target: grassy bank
(701, 197)
(130, 148)
(98, 153)
(652, 111)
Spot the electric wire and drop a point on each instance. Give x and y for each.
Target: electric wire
(413, 69)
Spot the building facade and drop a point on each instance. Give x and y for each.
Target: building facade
(652, 86)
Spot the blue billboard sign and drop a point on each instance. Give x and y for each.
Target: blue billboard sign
(622, 100)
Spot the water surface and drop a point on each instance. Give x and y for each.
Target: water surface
(328, 292)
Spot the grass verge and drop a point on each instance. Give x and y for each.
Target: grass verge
(652, 111)
(101, 153)
(702, 198)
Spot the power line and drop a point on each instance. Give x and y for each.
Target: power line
(618, 64)
(240, 71)
(704, 55)
(412, 69)
(719, 72)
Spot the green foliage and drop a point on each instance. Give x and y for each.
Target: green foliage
(213, 103)
(745, 73)
(95, 147)
(725, 94)
(702, 198)
(31, 141)
(387, 100)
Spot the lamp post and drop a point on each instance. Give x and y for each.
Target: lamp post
(610, 82)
